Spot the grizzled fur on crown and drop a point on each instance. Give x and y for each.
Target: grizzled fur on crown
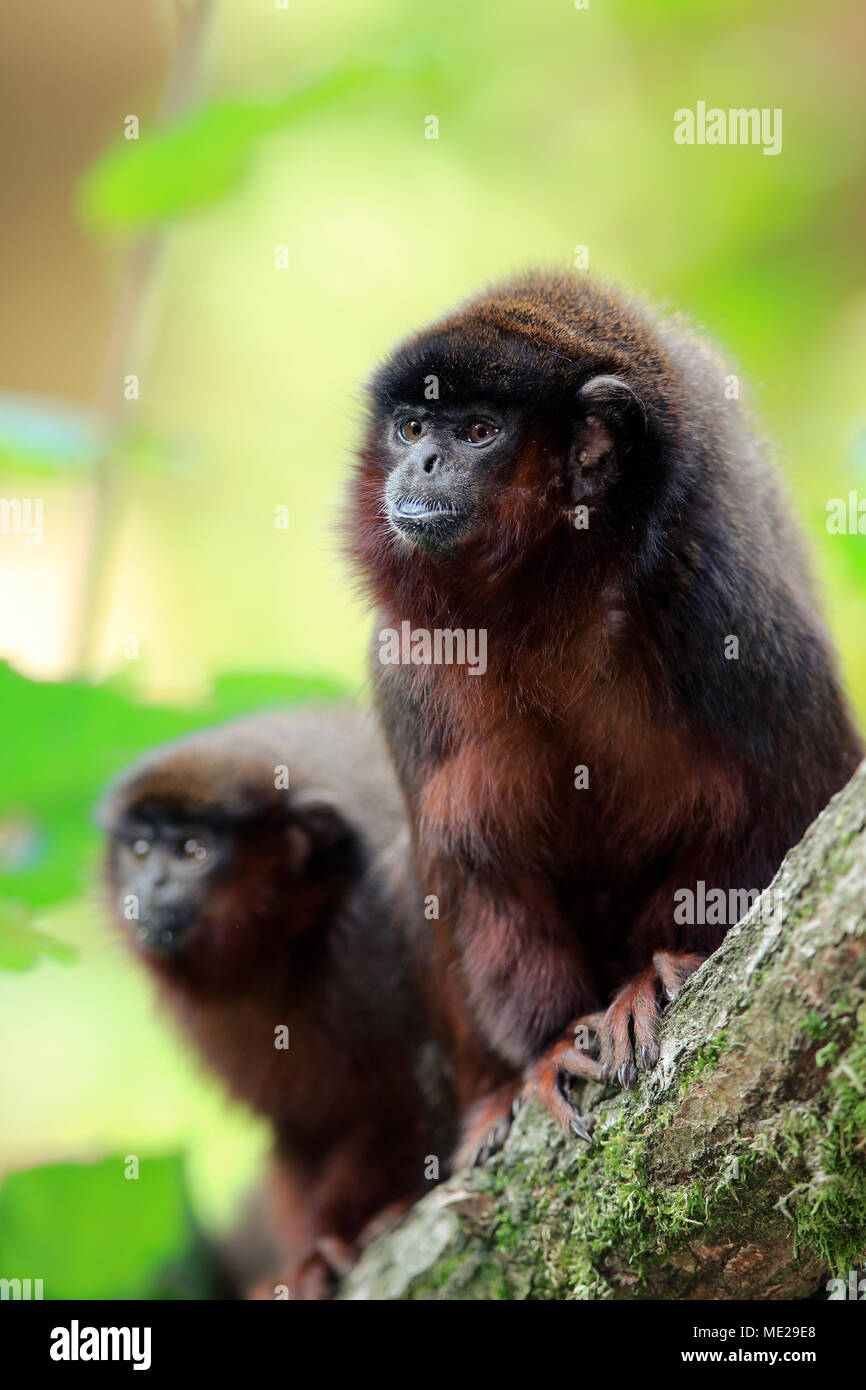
(538, 337)
(227, 780)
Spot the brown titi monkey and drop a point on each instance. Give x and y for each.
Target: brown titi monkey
(276, 924)
(558, 467)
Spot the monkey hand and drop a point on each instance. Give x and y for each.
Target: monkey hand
(628, 1031)
(484, 1128)
(571, 1057)
(605, 1046)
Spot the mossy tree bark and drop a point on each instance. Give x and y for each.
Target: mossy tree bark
(737, 1169)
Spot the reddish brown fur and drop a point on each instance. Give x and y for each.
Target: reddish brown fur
(604, 651)
(358, 1102)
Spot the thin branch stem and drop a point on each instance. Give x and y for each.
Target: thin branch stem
(138, 280)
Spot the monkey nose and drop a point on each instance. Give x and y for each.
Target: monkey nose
(430, 463)
(164, 933)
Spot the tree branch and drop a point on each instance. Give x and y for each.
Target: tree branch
(125, 351)
(737, 1169)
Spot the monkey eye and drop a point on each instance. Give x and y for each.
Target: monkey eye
(478, 432)
(410, 430)
(140, 847)
(194, 849)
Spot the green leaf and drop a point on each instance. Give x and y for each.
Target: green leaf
(21, 945)
(69, 739)
(89, 1231)
(203, 156)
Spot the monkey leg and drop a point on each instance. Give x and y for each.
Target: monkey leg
(630, 1027)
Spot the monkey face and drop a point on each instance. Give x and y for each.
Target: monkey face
(454, 473)
(216, 900)
(164, 873)
(488, 429)
(442, 464)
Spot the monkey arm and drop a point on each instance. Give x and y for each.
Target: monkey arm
(522, 965)
(680, 924)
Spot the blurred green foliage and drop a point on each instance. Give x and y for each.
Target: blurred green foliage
(41, 436)
(21, 944)
(199, 159)
(88, 1231)
(45, 438)
(71, 738)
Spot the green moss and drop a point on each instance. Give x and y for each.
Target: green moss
(441, 1273)
(506, 1235)
(634, 1222)
(815, 1027)
(827, 1055)
(830, 1210)
(618, 1212)
(705, 1061)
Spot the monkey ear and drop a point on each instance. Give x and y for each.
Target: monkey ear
(612, 421)
(317, 830)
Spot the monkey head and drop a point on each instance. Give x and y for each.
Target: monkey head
(489, 429)
(214, 872)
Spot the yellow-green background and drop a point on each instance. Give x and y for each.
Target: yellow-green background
(555, 131)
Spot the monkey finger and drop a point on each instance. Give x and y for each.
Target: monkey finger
(485, 1126)
(673, 968)
(551, 1087)
(549, 1078)
(492, 1142)
(645, 1026)
(583, 1126)
(630, 1025)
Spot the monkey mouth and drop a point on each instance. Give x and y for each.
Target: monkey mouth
(165, 937)
(424, 509)
(433, 526)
